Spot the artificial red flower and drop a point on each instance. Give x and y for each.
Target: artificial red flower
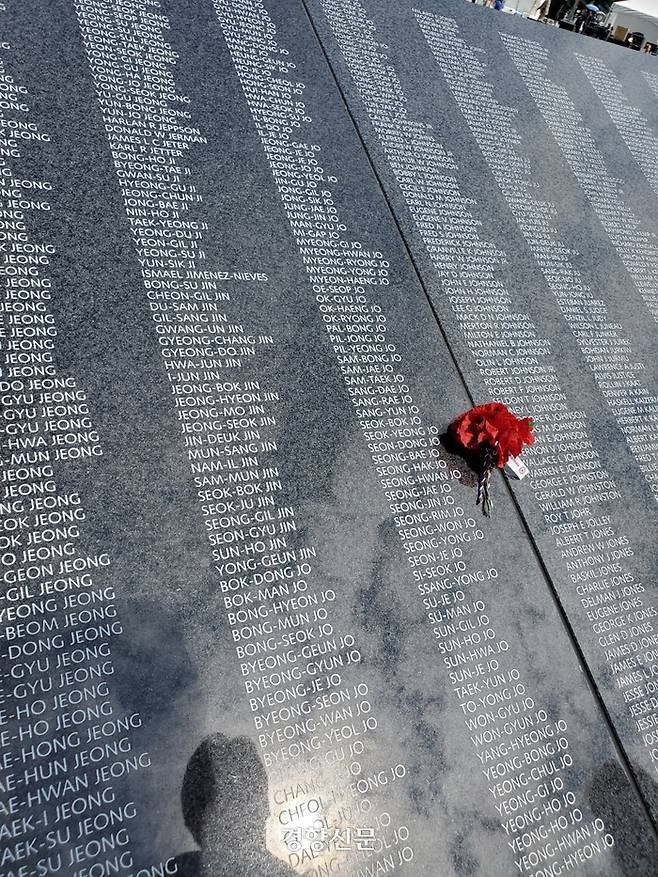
(491, 434)
(493, 427)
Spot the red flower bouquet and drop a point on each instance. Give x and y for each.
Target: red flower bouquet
(490, 434)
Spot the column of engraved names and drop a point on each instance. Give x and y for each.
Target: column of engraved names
(515, 365)
(62, 743)
(606, 350)
(505, 344)
(628, 119)
(630, 647)
(432, 525)
(652, 81)
(310, 708)
(636, 247)
(613, 603)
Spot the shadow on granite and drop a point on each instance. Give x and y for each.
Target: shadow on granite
(225, 807)
(613, 800)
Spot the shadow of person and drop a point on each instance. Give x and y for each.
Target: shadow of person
(225, 806)
(614, 800)
(458, 459)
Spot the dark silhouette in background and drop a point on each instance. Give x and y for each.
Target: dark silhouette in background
(614, 800)
(225, 807)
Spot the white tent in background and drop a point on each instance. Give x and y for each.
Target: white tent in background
(636, 15)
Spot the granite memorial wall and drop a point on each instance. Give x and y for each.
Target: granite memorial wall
(255, 257)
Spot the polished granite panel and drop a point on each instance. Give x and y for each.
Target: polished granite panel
(519, 193)
(252, 623)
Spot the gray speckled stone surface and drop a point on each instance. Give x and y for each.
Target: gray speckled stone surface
(276, 636)
(540, 172)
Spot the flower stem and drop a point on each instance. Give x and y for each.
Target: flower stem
(484, 478)
(487, 502)
(480, 496)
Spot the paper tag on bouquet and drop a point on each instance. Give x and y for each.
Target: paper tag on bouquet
(515, 466)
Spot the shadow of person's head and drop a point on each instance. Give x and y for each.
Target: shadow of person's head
(225, 802)
(225, 792)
